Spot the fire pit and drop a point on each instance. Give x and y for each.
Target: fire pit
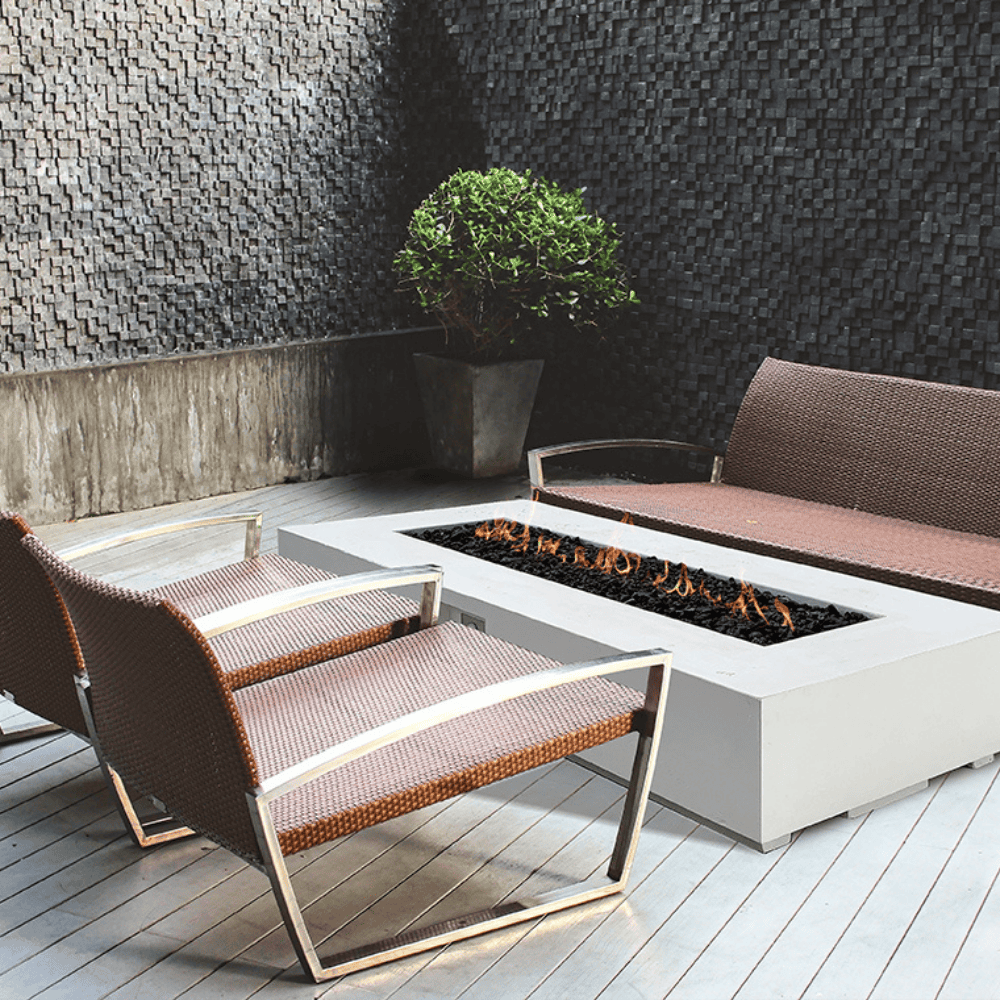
(671, 589)
(759, 741)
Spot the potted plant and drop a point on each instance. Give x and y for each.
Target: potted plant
(504, 260)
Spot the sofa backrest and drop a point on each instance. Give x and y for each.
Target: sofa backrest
(922, 451)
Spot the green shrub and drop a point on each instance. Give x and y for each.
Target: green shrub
(500, 257)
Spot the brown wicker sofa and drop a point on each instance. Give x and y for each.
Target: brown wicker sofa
(887, 478)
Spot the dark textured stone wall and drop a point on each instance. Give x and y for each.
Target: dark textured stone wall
(187, 175)
(812, 179)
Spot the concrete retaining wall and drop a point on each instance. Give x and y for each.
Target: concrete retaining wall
(137, 434)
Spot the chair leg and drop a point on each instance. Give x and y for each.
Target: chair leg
(144, 832)
(483, 921)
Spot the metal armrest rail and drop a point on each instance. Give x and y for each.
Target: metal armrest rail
(536, 455)
(415, 722)
(269, 605)
(254, 519)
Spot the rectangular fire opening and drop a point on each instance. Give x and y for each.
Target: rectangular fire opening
(737, 608)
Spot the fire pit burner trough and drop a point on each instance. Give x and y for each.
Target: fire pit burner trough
(671, 589)
(759, 741)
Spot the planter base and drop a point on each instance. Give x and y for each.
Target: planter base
(477, 415)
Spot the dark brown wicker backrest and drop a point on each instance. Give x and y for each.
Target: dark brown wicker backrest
(164, 716)
(39, 655)
(921, 451)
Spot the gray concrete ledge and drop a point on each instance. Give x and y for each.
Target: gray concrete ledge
(141, 433)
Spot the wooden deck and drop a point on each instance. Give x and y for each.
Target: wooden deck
(901, 903)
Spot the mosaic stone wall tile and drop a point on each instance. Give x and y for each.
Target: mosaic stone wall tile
(812, 179)
(181, 175)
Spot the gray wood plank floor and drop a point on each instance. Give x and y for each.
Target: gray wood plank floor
(900, 903)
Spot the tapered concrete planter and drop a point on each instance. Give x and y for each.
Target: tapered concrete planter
(477, 415)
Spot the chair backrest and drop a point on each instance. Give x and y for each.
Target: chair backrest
(165, 718)
(39, 654)
(921, 451)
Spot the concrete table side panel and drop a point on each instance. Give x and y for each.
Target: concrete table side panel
(837, 745)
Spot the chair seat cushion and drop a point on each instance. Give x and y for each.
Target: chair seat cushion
(954, 564)
(294, 716)
(282, 641)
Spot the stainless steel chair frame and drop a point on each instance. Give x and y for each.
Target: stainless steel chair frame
(254, 521)
(145, 832)
(536, 455)
(259, 799)
(504, 914)
(160, 829)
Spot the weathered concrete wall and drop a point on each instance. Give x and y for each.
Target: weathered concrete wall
(136, 434)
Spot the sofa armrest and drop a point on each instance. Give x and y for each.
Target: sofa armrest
(536, 455)
(254, 521)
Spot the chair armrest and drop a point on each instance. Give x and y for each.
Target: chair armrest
(536, 455)
(269, 605)
(656, 660)
(254, 519)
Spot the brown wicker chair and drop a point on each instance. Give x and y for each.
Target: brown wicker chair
(40, 657)
(273, 768)
(891, 479)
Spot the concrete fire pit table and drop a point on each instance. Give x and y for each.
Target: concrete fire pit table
(759, 741)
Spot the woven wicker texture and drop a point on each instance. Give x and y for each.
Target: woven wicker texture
(293, 717)
(174, 728)
(953, 564)
(293, 639)
(39, 656)
(164, 714)
(921, 451)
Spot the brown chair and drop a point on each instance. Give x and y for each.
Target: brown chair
(270, 769)
(40, 656)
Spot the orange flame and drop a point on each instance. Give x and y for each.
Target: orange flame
(739, 606)
(614, 560)
(782, 610)
(683, 587)
(756, 606)
(747, 599)
(704, 592)
(548, 546)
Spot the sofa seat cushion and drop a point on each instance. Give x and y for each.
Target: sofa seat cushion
(953, 564)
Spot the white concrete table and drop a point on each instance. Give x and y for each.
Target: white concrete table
(759, 741)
